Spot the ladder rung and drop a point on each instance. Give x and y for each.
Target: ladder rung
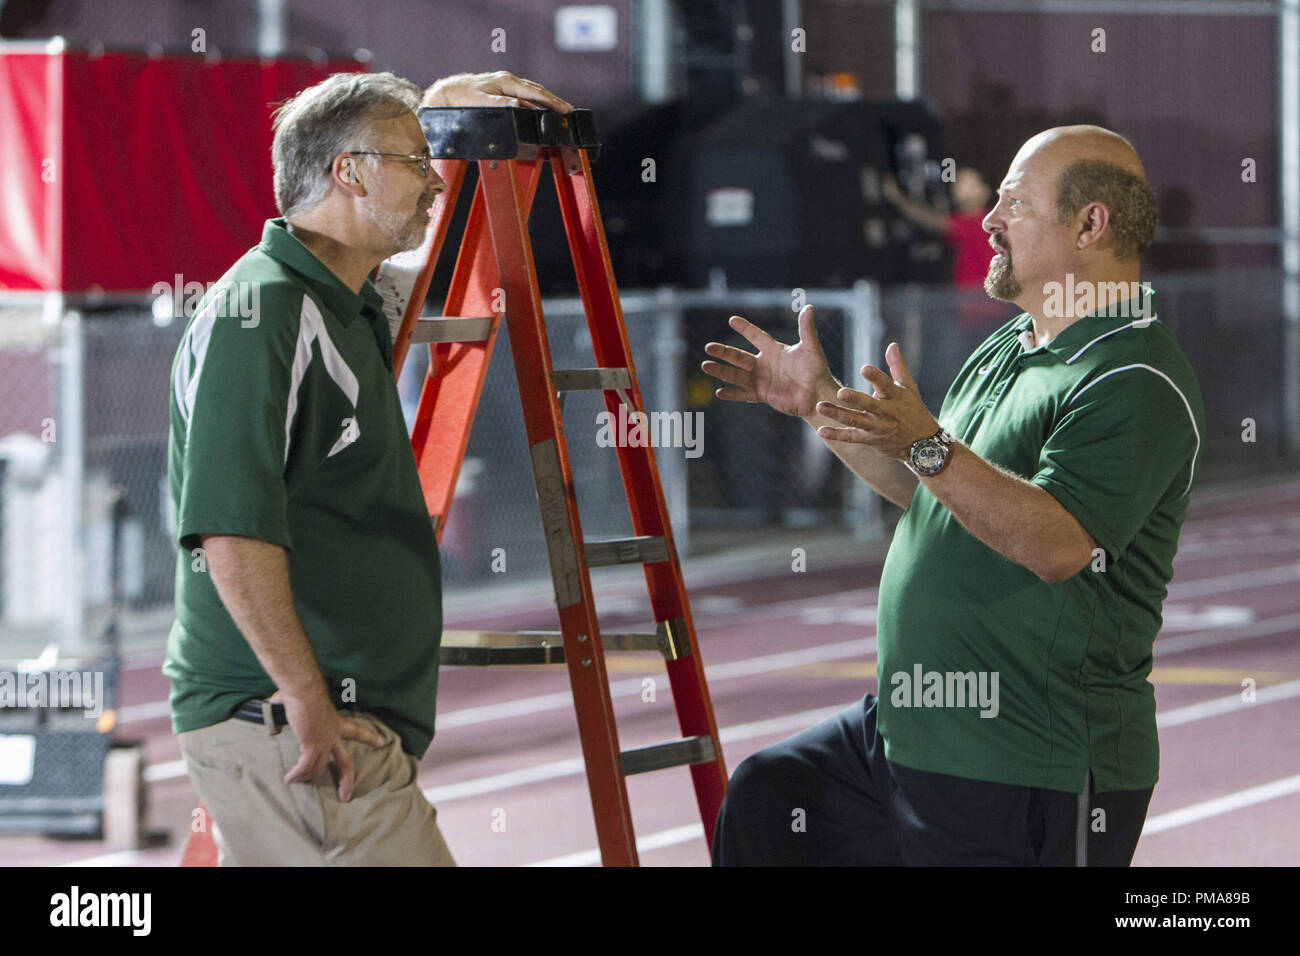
(451, 329)
(482, 648)
(646, 549)
(675, 753)
(573, 379)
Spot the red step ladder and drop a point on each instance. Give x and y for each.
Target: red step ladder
(495, 277)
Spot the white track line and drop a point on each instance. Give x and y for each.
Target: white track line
(154, 710)
(561, 768)
(695, 831)
(792, 723)
(1226, 705)
(1265, 577)
(787, 723)
(798, 721)
(549, 771)
(652, 841)
(1268, 577)
(155, 773)
(120, 858)
(562, 700)
(1196, 640)
(1225, 804)
(1158, 824)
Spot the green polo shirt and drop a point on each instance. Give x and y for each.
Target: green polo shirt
(986, 671)
(286, 427)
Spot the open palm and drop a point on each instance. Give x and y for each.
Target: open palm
(790, 378)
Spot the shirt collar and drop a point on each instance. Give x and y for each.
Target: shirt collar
(1079, 335)
(280, 244)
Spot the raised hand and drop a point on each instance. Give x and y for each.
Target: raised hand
(889, 420)
(790, 378)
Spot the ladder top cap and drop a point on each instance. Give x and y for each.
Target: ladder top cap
(498, 132)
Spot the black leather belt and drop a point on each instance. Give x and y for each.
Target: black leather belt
(251, 711)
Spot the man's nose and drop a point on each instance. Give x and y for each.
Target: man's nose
(439, 184)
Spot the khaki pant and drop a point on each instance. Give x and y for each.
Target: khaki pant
(238, 768)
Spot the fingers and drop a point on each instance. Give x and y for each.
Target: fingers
(807, 330)
(346, 771)
(308, 766)
(858, 419)
(897, 367)
(852, 398)
(853, 436)
(736, 395)
(752, 333)
(485, 98)
(357, 730)
(533, 93)
(732, 376)
(881, 382)
(728, 353)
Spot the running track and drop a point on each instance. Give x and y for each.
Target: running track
(784, 649)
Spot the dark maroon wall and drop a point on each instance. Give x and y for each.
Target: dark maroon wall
(1195, 95)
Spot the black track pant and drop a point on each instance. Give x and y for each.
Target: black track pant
(828, 797)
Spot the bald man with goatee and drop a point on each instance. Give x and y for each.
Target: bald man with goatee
(1015, 721)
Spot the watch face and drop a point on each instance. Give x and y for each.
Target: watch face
(929, 455)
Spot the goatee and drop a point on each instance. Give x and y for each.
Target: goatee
(1000, 283)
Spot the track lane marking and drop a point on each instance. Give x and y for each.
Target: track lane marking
(1157, 824)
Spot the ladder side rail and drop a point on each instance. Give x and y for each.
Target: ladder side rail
(458, 370)
(584, 653)
(640, 474)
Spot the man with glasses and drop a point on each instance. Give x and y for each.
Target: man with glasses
(304, 655)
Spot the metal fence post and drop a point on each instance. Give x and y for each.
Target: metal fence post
(669, 347)
(71, 440)
(1289, 137)
(862, 332)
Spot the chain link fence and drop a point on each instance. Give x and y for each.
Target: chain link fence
(1230, 324)
(730, 466)
(83, 434)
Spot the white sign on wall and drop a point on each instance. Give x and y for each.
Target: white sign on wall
(729, 207)
(588, 29)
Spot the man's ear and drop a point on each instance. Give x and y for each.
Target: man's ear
(1095, 219)
(346, 172)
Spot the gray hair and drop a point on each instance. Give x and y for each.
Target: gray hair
(318, 123)
(1131, 202)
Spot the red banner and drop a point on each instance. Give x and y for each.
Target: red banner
(121, 170)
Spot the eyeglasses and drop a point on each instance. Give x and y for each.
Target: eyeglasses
(423, 159)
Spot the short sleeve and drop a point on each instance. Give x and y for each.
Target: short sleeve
(1125, 440)
(232, 418)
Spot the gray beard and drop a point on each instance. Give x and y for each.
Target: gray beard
(404, 232)
(1000, 283)
(413, 236)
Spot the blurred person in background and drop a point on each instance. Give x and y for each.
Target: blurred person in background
(948, 338)
(963, 228)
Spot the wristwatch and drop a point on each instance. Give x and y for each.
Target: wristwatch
(928, 456)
